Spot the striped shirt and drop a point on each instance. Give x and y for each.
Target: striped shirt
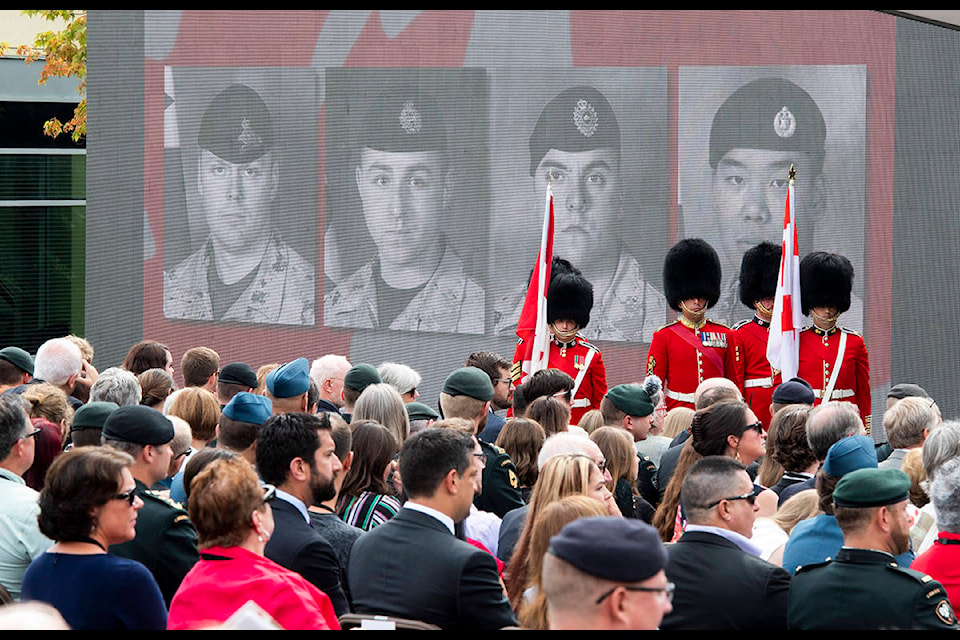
(370, 509)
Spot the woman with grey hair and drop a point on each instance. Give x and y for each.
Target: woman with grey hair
(940, 447)
(402, 378)
(116, 385)
(940, 560)
(382, 403)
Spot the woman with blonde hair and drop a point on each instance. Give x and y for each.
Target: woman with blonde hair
(201, 410)
(533, 607)
(49, 411)
(677, 421)
(623, 464)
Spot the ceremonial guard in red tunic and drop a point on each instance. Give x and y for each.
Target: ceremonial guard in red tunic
(833, 359)
(759, 271)
(569, 302)
(691, 349)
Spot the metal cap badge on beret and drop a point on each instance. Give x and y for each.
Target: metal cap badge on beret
(469, 381)
(138, 424)
(420, 411)
(794, 391)
(237, 126)
(576, 120)
(249, 407)
(404, 121)
(631, 399)
(849, 454)
(18, 358)
(616, 549)
(872, 488)
(290, 379)
(360, 376)
(759, 271)
(907, 390)
(691, 270)
(826, 280)
(239, 373)
(769, 113)
(92, 415)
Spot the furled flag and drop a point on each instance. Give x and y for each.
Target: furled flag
(533, 346)
(783, 345)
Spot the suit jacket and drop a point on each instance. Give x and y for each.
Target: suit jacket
(296, 545)
(720, 586)
(413, 567)
(894, 460)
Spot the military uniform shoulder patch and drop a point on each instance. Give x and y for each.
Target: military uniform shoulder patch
(669, 324)
(651, 365)
(588, 345)
(740, 324)
(852, 332)
(719, 324)
(514, 481)
(945, 612)
(159, 497)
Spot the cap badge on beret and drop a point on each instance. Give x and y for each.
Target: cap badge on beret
(248, 137)
(784, 124)
(410, 118)
(585, 118)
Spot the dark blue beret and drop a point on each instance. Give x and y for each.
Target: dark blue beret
(610, 548)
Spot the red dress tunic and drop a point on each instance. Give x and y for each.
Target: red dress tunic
(818, 355)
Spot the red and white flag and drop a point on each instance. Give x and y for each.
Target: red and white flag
(533, 348)
(783, 345)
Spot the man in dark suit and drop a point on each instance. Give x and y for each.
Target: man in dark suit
(297, 454)
(414, 566)
(721, 582)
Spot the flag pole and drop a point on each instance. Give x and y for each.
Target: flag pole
(783, 344)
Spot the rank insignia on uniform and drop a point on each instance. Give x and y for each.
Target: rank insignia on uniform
(651, 365)
(585, 118)
(784, 124)
(945, 612)
(248, 136)
(514, 481)
(410, 118)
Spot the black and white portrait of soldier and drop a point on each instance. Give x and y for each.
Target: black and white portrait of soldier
(591, 133)
(740, 130)
(245, 269)
(416, 168)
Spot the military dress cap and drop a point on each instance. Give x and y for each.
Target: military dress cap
(769, 113)
(469, 381)
(138, 424)
(290, 379)
(631, 399)
(609, 548)
(826, 280)
(92, 415)
(239, 373)
(691, 270)
(237, 126)
(249, 407)
(907, 390)
(404, 120)
(872, 488)
(360, 376)
(569, 297)
(794, 391)
(849, 454)
(18, 358)
(759, 272)
(420, 411)
(578, 119)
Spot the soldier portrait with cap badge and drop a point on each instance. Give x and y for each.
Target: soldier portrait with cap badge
(740, 130)
(229, 256)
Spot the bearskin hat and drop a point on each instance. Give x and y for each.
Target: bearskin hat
(759, 271)
(826, 280)
(691, 270)
(570, 296)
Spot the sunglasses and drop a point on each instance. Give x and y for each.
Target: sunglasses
(269, 492)
(183, 453)
(749, 497)
(757, 426)
(129, 496)
(667, 591)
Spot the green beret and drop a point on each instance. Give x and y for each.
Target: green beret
(404, 121)
(469, 381)
(92, 415)
(576, 120)
(290, 379)
(138, 424)
(872, 488)
(360, 376)
(18, 358)
(420, 411)
(631, 399)
(237, 126)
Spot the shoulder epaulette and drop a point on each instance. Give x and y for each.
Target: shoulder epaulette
(589, 345)
(163, 499)
(669, 324)
(813, 565)
(725, 326)
(851, 332)
(740, 324)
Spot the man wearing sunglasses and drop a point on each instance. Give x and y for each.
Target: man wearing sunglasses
(721, 582)
(21, 541)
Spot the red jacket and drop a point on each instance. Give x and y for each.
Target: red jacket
(818, 355)
(757, 377)
(682, 366)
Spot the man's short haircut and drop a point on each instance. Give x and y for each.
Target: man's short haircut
(489, 362)
(328, 366)
(612, 416)
(56, 361)
(715, 394)
(428, 455)
(236, 435)
(144, 355)
(709, 479)
(906, 420)
(117, 385)
(284, 437)
(401, 377)
(566, 588)
(461, 406)
(10, 374)
(200, 408)
(13, 422)
(941, 445)
(313, 395)
(545, 382)
(198, 364)
(828, 423)
(854, 519)
(945, 495)
(226, 390)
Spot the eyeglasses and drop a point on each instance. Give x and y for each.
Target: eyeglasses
(603, 465)
(749, 497)
(129, 496)
(566, 395)
(188, 450)
(269, 492)
(666, 591)
(32, 434)
(482, 457)
(758, 426)
(502, 380)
